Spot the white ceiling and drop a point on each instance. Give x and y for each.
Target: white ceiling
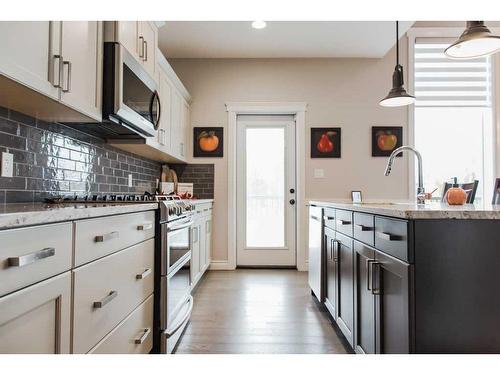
(237, 39)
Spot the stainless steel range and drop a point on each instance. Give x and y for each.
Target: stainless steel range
(175, 300)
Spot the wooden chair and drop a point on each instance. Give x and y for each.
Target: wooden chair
(469, 187)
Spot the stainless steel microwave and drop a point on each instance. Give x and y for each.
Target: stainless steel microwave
(131, 104)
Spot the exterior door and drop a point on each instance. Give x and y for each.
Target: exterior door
(266, 191)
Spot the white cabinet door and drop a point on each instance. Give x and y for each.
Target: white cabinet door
(203, 246)
(37, 319)
(184, 128)
(208, 239)
(128, 36)
(82, 66)
(148, 33)
(195, 253)
(165, 131)
(176, 135)
(29, 52)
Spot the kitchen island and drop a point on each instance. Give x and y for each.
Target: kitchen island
(404, 278)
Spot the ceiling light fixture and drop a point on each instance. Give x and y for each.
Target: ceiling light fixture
(397, 96)
(475, 41)
(259, 24)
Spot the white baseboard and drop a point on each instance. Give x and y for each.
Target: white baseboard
(219, 265)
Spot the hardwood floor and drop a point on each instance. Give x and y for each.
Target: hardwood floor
(258, 311)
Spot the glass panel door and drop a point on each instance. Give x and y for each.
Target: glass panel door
(266, 192)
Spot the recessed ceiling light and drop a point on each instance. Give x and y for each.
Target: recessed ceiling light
(259, 24)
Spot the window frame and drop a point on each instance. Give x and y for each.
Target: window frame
(451, 32)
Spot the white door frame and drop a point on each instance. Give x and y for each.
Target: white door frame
(298, 109)
(286, 255)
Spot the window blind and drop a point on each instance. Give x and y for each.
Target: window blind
(442, 82)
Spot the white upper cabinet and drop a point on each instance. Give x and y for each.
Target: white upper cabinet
(140, 38)
(81, 46)
(61, 60)
(30, 50)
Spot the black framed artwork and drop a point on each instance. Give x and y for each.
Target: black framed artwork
(496, 192)
(325, 142)
(386, 139)
(208, 142)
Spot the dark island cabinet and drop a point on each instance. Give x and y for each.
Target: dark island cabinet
(331, 272)
(345, 285)
(391, 287)
(364, 300)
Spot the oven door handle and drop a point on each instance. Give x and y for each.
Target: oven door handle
(183, 225)
(172, 332)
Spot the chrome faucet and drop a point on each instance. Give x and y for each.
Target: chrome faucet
(420, 188)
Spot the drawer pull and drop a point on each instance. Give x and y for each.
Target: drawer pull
(145, 226)
(343, 222)
(107, 237)
(24, 260)
(389, 237)
(112, 295)
(144, 336)
(364, 228)
(143, 275)
(328, 218)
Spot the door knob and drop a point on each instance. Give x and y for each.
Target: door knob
(292, 201)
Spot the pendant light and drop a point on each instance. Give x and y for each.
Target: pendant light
(475, 41)
(397, 96)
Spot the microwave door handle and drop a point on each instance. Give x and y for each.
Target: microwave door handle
(156, 121)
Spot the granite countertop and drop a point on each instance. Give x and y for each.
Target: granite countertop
(13, 215)
(410, 210)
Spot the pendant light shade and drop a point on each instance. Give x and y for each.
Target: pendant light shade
(398, 96)
(476, 41)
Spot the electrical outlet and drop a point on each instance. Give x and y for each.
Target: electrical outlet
(7, 164)
(130, 180)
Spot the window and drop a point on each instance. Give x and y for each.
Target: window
(453, 117)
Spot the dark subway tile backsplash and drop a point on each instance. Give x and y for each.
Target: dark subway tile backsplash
(53, 159)
(201, 175)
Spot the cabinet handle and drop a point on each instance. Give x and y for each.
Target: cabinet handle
(364, 228)
(378, 289)
(144, 336)
(328, 218)
(182, 149)
(389, 236)
(315, 218)
(107, 237)
(141, 276)
(141, 50)
(24, 260)
(145, 51)
(68, 79)
(112, 295)
(145, 226)
(59, 58)
(343, 222)
(368, 273)
(335, 250)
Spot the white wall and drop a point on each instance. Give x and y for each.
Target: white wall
(339, 92)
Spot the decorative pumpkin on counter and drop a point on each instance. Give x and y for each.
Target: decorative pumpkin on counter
(325, 144)
(208, 141)
(456, 196)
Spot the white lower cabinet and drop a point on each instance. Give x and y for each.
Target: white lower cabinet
(202, 241)
(107, 290)
(134, 335)
(37, 319)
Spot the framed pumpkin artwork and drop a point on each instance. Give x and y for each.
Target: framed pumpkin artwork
(325, 142)
(208, 142)
(386, 139)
